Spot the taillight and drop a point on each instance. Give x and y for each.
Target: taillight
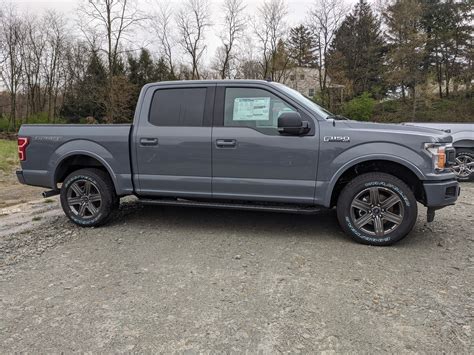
(22, 144)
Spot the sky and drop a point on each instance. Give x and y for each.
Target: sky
(298, 13)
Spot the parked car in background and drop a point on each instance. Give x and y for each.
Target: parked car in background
(244, 144)
(463, 141)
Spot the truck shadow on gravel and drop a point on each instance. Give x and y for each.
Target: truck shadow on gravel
(319, 227)
(246, 223)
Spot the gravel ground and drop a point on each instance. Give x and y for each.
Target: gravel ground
(170, 279)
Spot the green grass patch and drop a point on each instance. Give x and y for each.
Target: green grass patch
(37, 218)
(8, 155)
(48, 200)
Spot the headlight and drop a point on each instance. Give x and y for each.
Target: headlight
(438, 154)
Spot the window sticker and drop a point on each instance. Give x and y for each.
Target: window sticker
(251, 109)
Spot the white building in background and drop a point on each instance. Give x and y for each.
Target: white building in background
(303, 79)
(306, 81)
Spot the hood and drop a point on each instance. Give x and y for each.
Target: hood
(428, 134)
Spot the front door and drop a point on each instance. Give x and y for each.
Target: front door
(250, 159)
(173, 143)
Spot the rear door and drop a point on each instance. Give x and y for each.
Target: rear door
(173, 141)
(251, 160)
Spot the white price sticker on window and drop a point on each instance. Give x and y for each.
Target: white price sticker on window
(251, 109)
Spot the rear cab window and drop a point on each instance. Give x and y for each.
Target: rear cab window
(175, 107)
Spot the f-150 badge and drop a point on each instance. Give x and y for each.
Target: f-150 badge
(344, 139)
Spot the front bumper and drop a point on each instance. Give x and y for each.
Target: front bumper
(20, 177)
(439, 194)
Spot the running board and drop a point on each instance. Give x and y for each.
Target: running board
(235, 206)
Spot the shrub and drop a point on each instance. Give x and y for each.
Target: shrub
(3, 124)
(39, 118)
(359, 108)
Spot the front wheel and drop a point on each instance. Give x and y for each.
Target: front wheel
(88, 197)
(377, 209)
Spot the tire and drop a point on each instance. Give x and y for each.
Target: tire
(381, 195)
(461, 169)
(88, 197)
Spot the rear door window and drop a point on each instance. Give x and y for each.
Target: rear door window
(178, 107)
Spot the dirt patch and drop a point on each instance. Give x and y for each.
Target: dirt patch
(8, 136)
(13, 193)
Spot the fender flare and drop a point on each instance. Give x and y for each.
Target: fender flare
(71, 148)
(464, 143)
(366, 158)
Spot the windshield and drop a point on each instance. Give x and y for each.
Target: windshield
(305, 100)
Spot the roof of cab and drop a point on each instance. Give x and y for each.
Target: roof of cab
(207, 82)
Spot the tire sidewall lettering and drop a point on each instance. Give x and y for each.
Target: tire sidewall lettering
(390, 186)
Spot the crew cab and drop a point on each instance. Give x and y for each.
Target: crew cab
(241, 144)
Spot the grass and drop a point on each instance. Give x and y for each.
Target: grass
(8, 155)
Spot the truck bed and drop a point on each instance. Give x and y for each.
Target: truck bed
(50, 145)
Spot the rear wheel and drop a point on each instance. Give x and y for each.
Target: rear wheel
(377, 209)
(88, 197)
(464, 167)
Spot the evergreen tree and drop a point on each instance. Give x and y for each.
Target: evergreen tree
(87, 97)
(141, 70)
(302, 47)
(280, 61)
(448, 28)
(357, 52)
(407, 41)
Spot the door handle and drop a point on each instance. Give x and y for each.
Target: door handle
(148, 141)
(226, 143)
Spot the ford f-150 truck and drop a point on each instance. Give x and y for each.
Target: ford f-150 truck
(242, 144)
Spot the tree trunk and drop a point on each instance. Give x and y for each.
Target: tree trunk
(12, 125)
(447, 79)
(439, 76)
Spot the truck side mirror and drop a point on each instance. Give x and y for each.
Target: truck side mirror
(291, 123)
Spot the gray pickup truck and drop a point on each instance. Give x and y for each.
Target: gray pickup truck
(242, 144)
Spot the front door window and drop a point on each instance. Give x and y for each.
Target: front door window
(254, 108)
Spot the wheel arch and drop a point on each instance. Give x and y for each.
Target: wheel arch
(76, 160)
(464, 143)
(395, 166)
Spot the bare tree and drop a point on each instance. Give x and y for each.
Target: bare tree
(54, 59)
(114, 20)
(270, 27)
(12, 38)
(33, 52)
(325, 18)
(248, 61)
(162, 23)
(233, 30)
(75, 61)
(192, 20)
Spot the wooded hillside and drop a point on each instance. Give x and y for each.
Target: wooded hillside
(403, 60)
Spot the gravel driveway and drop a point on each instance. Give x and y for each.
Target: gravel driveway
(163, 279)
